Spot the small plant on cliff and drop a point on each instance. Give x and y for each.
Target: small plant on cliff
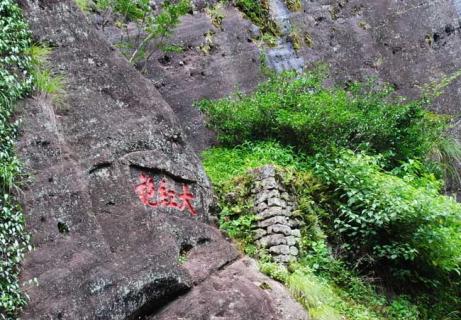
(45, 81)
(293, 5)
(161, 25)
(15, 81)
(152, 25)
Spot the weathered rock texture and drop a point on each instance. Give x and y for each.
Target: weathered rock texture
(225, 296)
(277, 230)
(230, 64)
(115, 195)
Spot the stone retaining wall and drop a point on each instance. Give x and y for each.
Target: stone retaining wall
(276, 229)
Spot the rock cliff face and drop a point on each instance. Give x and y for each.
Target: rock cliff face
(117, 203)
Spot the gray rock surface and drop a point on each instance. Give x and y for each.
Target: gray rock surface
(276, 229)
(235, 293)
(232, 63)
(116, 199)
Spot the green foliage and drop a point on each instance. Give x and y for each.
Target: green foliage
(402, 309)
(216, 14)
(15, 81)
(151, 24)
(293, 5)
(128, 10)
(221, 164)
(295, 40)
(83, 5)
(375, 211)
(172, 48)
(447, 154)
(335, 292)
(45, 81)
(236, 217)
(269, 39)
(299, 111)
(258, 12)
(383, 222)
(48, 83)
(161, 25)
(132, 10)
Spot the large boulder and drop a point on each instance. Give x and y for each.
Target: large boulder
(116, 201)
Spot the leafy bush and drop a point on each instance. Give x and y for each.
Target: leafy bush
(160, 26)
(15, 82)
(129, 10)
(299, 111)
(382, 221)
(14, 63)
(375, 211)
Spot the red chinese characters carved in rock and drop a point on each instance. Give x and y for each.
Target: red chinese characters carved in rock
(163, 196)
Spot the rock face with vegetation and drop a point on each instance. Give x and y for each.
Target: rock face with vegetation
(117, 204)
(337, 190)
(406, 43)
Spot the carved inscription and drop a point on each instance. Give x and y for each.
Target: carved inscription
(163, 195)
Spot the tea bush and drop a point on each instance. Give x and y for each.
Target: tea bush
(321, 283)
(300, 112)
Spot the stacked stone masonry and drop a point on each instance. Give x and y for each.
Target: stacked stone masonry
(275, 229)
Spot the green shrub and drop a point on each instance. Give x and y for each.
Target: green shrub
(222, 164)
(161, 25)
(385, 222)
(129, 10)
(402, 309)
(15, 79)
(375, 211)
(15, 82)
(297, 110)
(258, 12)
